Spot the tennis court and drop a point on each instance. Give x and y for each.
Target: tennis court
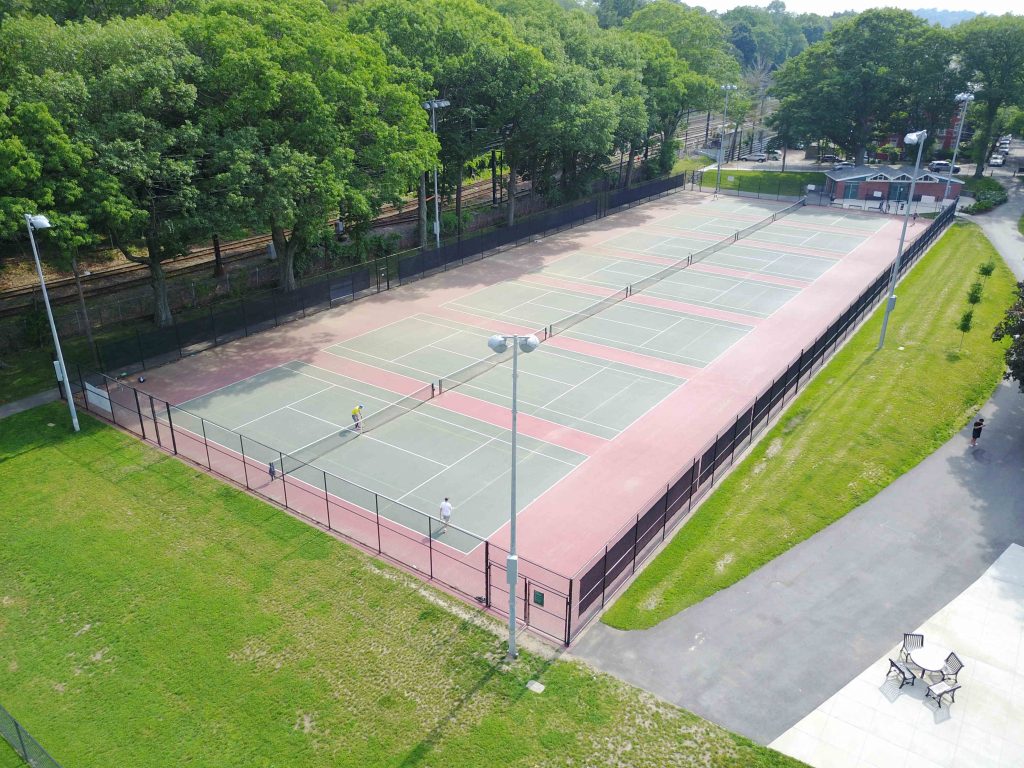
(643, 355)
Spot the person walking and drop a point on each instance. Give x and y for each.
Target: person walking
(357, 418)
(272, 470)
(446, 515)
(978, 426)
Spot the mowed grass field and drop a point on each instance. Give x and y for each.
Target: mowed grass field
(151, 616)
(867, 418)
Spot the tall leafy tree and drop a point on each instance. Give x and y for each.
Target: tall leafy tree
(126, 89)
(857, 82)
(1012, 327)
(306, 120)
(991, 52)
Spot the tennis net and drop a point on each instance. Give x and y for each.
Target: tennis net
(693, 258)
(291, 463)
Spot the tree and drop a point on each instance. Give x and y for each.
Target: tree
(856, 83)
(965, 325)
(126, 89)
(1012, 327)
(306, 121)
(611, 13)
(991, 55)
(459, 50)
(698, 38)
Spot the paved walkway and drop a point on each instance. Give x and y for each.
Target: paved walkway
(40, 398)
(761, 655)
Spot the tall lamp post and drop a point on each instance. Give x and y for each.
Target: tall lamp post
(34, 223)
(965, 99)
(728, 88)
(500, 344)
(918, 138)
(433, 105)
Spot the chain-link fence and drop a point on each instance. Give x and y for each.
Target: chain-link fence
(21, 741)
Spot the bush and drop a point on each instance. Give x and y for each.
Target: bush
(987, 194)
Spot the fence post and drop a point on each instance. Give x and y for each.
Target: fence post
(327, 502)
(376, 512)
(604, 574)
(138, 409)
(174, 440)
(206, 444)
(430, 545)
(156, 427)
(568, 613)
(636, 536)
(284, 481)
(21, 739)
(487, 573)
(245, 469)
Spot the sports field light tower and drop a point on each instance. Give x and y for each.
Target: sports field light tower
(500, 345)
(918, 138)
(35, 222)
(433, 105)
(965, 99)
(728, 88)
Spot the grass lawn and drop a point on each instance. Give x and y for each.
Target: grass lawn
(152, 616)
(765, 183)
(866, 419)
(687, 164)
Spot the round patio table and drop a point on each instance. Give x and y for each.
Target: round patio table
(930, 658)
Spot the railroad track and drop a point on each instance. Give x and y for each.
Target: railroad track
(198, 260)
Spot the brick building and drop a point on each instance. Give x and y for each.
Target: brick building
(881, 183)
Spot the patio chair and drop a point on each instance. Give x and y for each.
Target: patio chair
(952, 667)
(942, 689)
(910, 643)
(905, 673)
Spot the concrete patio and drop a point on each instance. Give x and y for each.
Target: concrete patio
(872, 723)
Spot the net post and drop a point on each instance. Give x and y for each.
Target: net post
(568, 613)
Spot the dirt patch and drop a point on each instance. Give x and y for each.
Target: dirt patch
(724, 562)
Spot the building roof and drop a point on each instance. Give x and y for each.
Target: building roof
(888, 173)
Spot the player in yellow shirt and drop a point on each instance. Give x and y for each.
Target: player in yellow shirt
(357, 417)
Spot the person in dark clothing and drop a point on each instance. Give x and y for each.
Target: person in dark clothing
(978, 426)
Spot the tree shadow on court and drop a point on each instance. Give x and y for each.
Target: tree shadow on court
(528, 667)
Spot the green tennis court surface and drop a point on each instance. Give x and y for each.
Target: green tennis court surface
(577, 392)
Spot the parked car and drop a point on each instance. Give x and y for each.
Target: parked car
(830, 159)
(755, 157)
(942, 166)
(842, 164)
(996, 160)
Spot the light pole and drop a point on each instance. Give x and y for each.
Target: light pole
(500, 344)
(433, 105)
(36, 222)
(918, 138)
(728, 88)
(966, 99)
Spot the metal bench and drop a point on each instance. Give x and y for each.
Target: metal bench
(901, 669)
(942, 689)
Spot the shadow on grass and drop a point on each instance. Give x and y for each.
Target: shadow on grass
(425, 747)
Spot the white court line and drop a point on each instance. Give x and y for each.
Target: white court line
(438, 474)
(237, 381)
(431, 344)
(672, 358)
(283, 407)
(538, 406)
(547, 405)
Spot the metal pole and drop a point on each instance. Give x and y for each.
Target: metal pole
(721, 143)
(891, 301)
(512, 562)
(967, 99)
(437, 214)
(53, 327)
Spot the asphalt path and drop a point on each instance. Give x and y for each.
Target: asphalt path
(759, 656)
